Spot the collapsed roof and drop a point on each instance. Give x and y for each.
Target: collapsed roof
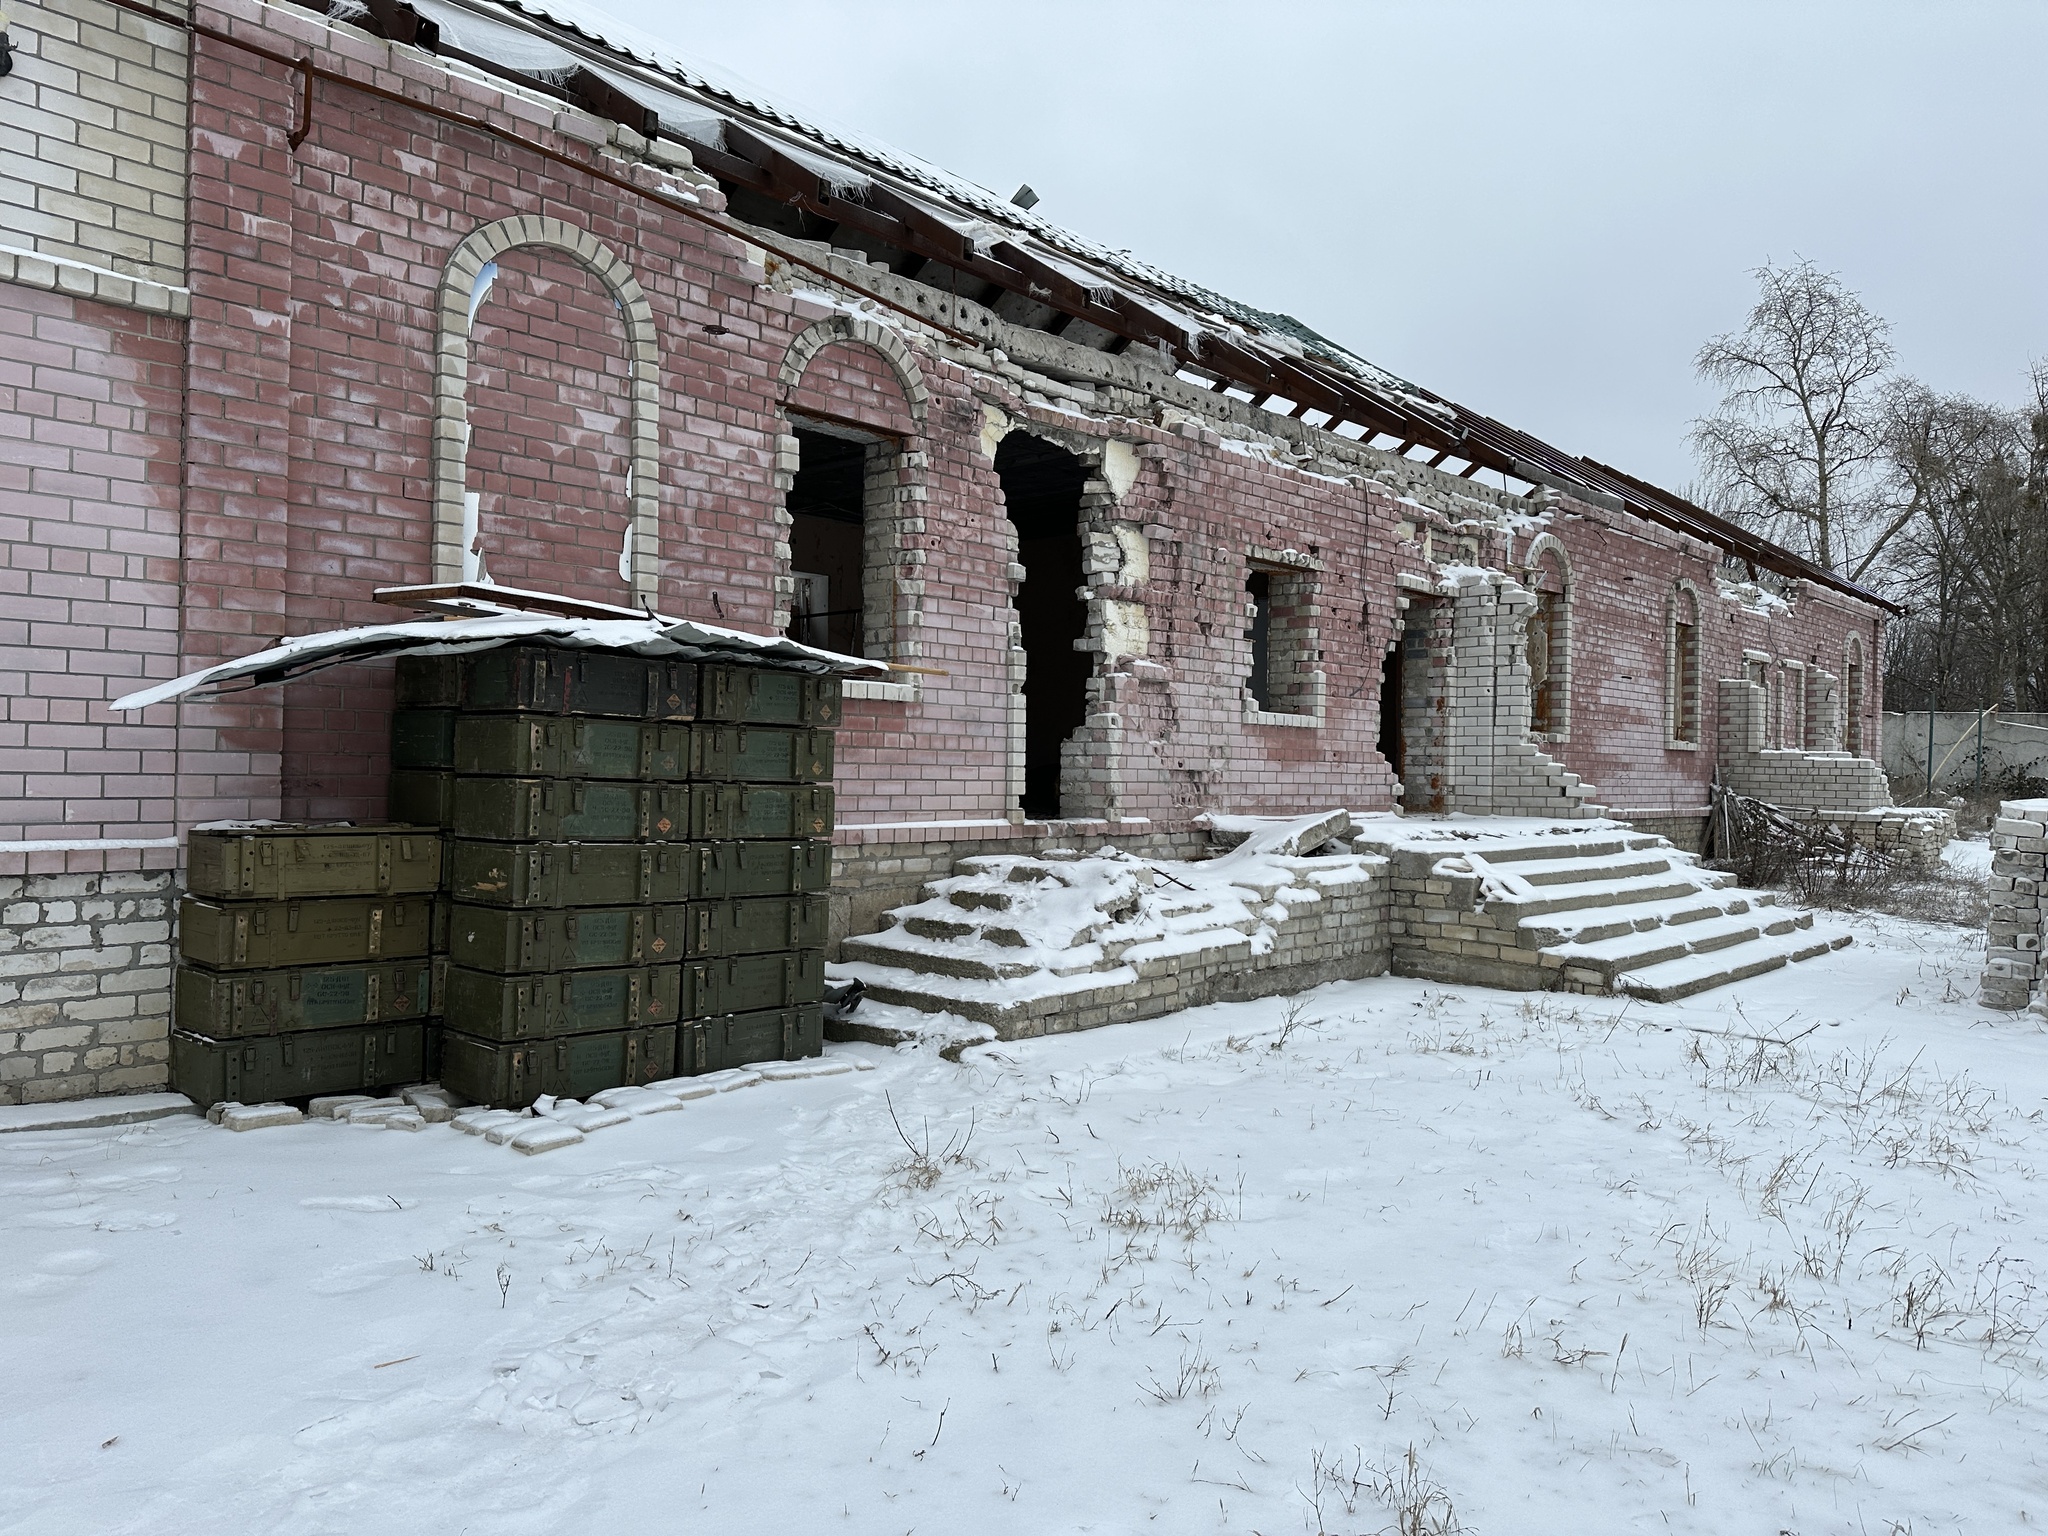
(786, 173)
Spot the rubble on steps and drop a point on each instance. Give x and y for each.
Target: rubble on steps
(1061, 940)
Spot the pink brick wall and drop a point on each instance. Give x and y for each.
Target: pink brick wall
(89, 403)
(1620, 587)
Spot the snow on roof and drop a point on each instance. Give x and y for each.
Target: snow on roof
(652, 636)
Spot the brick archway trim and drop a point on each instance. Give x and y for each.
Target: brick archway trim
(451, 386)
(814, 339)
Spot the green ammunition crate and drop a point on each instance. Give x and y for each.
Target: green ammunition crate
(267, 1067)
(223, 1007)
(570, 810)
(569, 874)
(755, 926)
(271, 935)
(521, 745)
(543, 680)
(508, 942)
(492, 1007)
(758, 869)
(424, 797)
(756, 694)
(719, 811)
(282, 863)
(743, 983)
(740, 1039)
(761, 754)
(423, 738)
(511, 1076)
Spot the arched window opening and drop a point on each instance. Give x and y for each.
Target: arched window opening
(549, 495)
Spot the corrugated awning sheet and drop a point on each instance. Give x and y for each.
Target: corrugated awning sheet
(447, 637)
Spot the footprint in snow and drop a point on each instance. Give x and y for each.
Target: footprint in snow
(99, 1218)
(372, 1204)
(346, 1279)
(55, 1272)
(73, 1261)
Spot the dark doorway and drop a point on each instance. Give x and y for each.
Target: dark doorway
(828, 540)
(1042, 491)
(1393, 744)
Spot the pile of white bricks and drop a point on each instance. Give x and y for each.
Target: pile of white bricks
(2019, 869)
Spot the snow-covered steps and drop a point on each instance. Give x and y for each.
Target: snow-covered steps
(1060, 941)
(1034, 944)
(1670, 980)
(1576, 906)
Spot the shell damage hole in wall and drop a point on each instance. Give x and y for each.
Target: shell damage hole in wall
(1042, 486)
(550, 450)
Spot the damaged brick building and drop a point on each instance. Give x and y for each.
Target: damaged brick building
(301, 305)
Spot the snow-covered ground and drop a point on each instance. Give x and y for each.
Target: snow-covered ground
(1526, 1264)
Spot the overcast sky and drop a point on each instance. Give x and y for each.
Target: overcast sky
(1538, 208)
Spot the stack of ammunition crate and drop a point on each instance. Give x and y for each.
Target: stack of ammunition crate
(304, 961)
(636, 859)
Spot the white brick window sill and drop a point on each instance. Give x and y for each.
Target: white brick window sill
(911, 692)
(1277, 717)
(59, 274)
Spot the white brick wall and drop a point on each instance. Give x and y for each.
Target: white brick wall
(85, 967)
(93, 139)
(1789, 776)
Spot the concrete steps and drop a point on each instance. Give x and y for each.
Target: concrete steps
(1670, 980)
(1591, 924)
(1634, 915)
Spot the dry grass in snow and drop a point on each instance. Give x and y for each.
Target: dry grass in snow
(1389, 1257)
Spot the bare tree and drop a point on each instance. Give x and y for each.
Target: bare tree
(1972, 561)
(1797, 448)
